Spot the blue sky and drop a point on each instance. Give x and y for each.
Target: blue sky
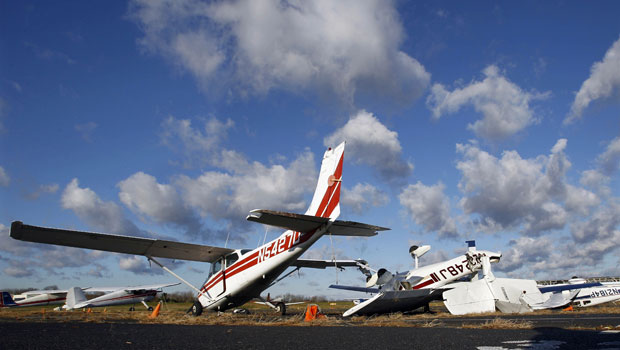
(486, 121)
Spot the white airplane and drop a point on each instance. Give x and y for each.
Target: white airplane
(508, 295)
(409, 291)
(74, 298)
(236, 276)
(34, 298)
(607, 292)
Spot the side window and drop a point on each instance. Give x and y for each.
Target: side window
(216, 267)
(231, 258)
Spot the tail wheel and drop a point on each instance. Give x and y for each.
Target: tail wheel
(150, 308)
(281, 308)
(196, 309)
(132, 309)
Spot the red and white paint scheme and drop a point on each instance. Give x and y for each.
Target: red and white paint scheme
(236, 275)
(39, 298)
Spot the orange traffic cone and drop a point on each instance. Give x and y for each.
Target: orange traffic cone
(89, 310)
(569, 308)
(156, 311)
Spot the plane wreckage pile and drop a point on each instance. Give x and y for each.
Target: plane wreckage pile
(466, 283)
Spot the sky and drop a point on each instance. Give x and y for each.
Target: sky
(498, 122)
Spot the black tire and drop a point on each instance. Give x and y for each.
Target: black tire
(150, 308)
(281, 308)
(196, 309)
(132, 309)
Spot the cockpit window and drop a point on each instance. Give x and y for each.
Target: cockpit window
(245, 251)
(231, 258)
(216, 266)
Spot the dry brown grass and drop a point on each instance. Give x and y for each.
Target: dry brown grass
(502, 323)
(262, 316)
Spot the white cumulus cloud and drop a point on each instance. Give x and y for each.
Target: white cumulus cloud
(430, 208)
(603, 83)
(505, 106)
(5, 180)
(256, 46)
(372, 143)
(363, 196)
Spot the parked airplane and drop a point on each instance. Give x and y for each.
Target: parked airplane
(418, 287)
(236, 276)
(508, 295)
(607, 292)
(74, 298)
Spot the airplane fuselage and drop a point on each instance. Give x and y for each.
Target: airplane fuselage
(254, 271)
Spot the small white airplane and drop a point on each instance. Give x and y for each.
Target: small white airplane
(237, 275)
(74, 298)
(409, 291)
(607, 292)
(508, 295)
(34, 298)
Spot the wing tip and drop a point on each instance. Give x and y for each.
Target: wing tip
(16, 229)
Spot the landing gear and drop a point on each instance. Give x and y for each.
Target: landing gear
(196, 309)
(281, 308)
(150, 308)
(132, 308)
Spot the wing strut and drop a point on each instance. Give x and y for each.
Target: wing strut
(178, 277)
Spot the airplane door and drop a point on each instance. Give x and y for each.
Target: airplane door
(219, 278)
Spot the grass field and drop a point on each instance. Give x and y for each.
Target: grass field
(176, 313)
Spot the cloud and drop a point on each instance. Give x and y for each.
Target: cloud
(603, 83)
(608, 164)
(513, 192)
(42, 189)
(370, 142)
(255, 46)
(101, 215)
(138, 265)
(144, 196)
(429, 208)
(362, 196)
(229, 195)
(609, 161)
(179, 134)
(505, 106)
(86, 130)
(5, 180)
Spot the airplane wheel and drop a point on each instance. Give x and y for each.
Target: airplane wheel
(196, 309)
(150, 308)
(281, 308)
(132, 309)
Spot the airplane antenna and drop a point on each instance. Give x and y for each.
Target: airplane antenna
(265, 237)
(226, 244)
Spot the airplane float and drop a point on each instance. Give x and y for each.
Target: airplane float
(509, 295)
(236, 275)
(409, 291)
(74, 298)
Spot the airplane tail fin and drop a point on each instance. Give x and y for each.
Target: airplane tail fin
(7, 300)
(75, 296)
(326, 200)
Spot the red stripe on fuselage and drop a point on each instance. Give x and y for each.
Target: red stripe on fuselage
(424, 284)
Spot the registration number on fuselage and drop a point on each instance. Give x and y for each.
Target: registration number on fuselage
(284, 242)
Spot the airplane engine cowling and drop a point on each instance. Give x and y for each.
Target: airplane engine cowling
(382, 277)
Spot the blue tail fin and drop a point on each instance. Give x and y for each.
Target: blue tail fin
(7, 300)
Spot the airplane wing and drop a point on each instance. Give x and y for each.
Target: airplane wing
(568, 287)
(144, 287)
(393, 301)
(117, 243)
(322, 264)
(308, 223)
(353, 288)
